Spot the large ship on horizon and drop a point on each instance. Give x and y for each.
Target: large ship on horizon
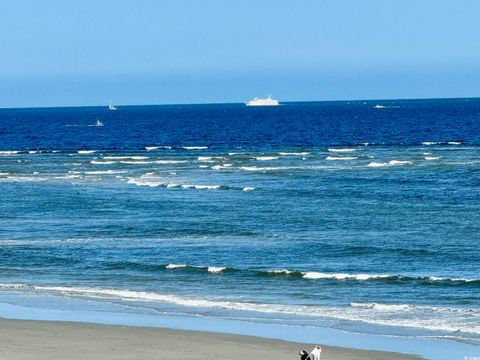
(263, 102)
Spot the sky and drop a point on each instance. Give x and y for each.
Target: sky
(73, 53)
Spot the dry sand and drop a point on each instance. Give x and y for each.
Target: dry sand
(21, 339)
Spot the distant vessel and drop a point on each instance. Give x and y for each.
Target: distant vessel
(99, 123)
(263, 102)
(111, 106)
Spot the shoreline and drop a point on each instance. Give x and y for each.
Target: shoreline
(44, 339)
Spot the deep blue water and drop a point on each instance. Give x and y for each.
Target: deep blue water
(329, 214)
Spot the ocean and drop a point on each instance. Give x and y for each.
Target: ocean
(326, 218)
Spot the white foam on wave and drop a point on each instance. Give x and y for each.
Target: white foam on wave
(294, 153)
(104, 172)
(259, 168)
(210, 158)
(83, 152)
(432, 157)
(175, 266)
(151, 148)
(96, 162)
(266, 158)
(125, 157)
(235, 153)
(203, 166)
(32, 151)
(429, 143)
(248, 188)
(342, 150)
(282, 271)
(9, 152)
(397, 315)
(342, 276)
(390, 163)
(4, 173)
(334, 158)
(194, 147)
(152, 182)
(221, 167)
(169, 161)
(145, 182)
(216, 269)
(200, 187)
(454, 143)
(382, 307)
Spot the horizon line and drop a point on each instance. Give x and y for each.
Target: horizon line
(235, 103)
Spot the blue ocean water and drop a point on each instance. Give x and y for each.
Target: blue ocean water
(326, 215)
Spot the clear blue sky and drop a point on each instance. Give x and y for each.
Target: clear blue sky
(57, 52)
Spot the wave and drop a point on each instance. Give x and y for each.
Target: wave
(342, 150)
(390, 163)
(10, 152)
(125, 157)
(151, 182)
(429, 143)
(194, 147)
(210, 269)
(432, 157)
(454, 143)
(96, 162)
(103, 172)
(266, 158)
(258, 168)
(151, 148)
(221, 167)
(248, 188)
(86, 151)
(210, 158)
(341, 158)
(341, 276)
(305, 153)
(313, 275)
(458, 320)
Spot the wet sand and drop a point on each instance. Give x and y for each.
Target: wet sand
(23, 339)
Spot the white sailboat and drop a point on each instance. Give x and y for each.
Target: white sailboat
(111, 106)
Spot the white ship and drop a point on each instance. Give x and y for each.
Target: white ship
(263, 102)
(111, 106)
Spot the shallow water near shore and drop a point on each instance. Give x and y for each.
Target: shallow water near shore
(316, 216)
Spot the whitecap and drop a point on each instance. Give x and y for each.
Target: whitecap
(96, 162)
(294, 153)
(342, 276)
(9, 152)
(210, 158)
(201, 187)
(175, 266)
(248, 188)
(216, 269)
(266, 158)
(341, 158)
(86, 151)
(454, 143)
(342, 150)
(125, 157)
(429, 143)
(432, 157)
(194, 147)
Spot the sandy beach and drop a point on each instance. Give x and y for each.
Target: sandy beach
(21, 339)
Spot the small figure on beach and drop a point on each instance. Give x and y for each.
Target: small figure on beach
(314, 355)
(303, 355)
(316, 352)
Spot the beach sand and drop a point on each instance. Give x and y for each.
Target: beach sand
(22, 339)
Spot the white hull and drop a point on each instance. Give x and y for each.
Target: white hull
(263, 102)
